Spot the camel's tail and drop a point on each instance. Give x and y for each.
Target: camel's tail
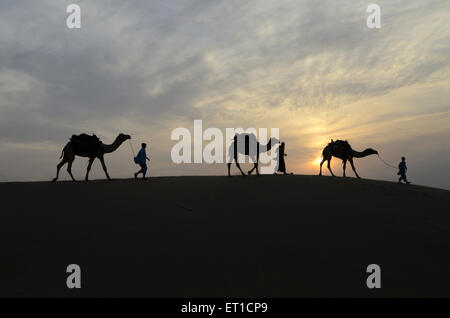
(62, 152)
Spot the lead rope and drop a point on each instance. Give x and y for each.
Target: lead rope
(386, 163)
(132, 149)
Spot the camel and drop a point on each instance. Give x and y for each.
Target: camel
(250, 139)
(341, 149)
(90, 147)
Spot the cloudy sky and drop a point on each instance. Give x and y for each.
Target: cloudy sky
(312, 68)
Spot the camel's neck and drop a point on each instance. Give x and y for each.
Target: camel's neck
(269, 145)
(359, 154)
(112, 147)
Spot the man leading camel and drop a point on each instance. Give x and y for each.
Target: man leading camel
(402, 171)
(141, 159)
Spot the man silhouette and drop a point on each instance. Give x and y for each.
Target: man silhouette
(141, 159)
(281, 162)
(402, 171)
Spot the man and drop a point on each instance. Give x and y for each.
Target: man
(402, 171)
(281, 162)
(141, 159)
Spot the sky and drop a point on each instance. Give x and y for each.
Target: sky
(311, 68)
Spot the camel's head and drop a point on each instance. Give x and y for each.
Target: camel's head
(123, 137)
(371, 151)
(274, 141)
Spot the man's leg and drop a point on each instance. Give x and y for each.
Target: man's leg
(144, 170)
(136, 174)
(404, 178)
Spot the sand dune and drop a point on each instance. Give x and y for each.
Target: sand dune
(273, 236)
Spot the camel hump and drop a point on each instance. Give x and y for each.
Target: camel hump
(247, 137)
(341, 143)
(86, 144)
(85, 138)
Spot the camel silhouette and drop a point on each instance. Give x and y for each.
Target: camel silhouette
(87, 146)
(341, 149)
(248, 140)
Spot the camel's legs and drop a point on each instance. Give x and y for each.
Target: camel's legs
(58, 167)
(256, 163)
(69, 168)
(354, 170)
(254, 167)
(344, 164)
(329, 168)
(255, 160)
(102, 160)
(239, 167)
(323, 160)
(91, 160)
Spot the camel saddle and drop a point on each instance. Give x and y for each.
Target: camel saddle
(336, 144)
(84, 143)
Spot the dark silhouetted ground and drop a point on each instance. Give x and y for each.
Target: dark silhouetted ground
(273, 236)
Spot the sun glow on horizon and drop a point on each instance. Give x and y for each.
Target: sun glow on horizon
(317, 161)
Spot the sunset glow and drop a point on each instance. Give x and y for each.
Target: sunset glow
(317, 161)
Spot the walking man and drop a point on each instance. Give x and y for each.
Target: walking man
(281, 162)
(402, 171)
(141, 159)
